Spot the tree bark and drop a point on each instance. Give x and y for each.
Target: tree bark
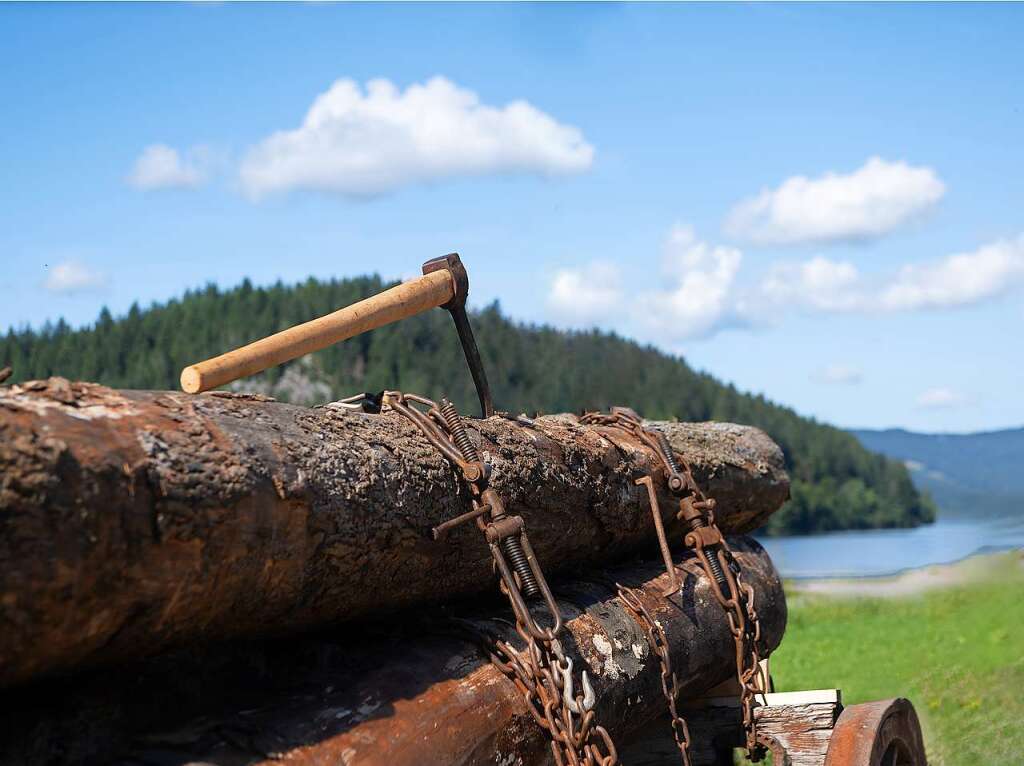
(417, 691)
(134, 521)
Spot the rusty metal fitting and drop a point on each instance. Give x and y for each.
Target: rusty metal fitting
(627, 412)
(493, 499)
(704, 537)
(676, 483)
(475, 472)
(689, 513)
(441, 530)
(509, 526)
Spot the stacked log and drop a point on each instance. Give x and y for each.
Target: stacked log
(413, 692)
(132, 522)
(183, 529)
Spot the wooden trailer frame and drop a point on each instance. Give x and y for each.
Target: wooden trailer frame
(800, 728)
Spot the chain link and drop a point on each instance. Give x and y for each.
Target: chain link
(669, 683)
(541, 671)
(544, 677)
(725, 577)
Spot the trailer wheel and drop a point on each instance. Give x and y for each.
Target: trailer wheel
(883, 733)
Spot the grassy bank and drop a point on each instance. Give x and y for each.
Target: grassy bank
(956, 651)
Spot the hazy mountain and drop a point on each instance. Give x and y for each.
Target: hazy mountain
(966, 474)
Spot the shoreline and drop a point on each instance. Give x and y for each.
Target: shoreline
(988, 550)
(975, 567)
(888, 553)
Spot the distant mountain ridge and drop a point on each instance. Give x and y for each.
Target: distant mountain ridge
(978, 474)
(836, 482)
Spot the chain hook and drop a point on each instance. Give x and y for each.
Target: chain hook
(586, 703)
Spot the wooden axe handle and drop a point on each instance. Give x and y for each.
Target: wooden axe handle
(400, 302)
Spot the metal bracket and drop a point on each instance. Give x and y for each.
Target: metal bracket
(659, 528)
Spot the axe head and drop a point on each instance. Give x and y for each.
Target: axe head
(453, 265)
(457, 308)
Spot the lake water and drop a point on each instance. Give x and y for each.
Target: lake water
(879, 552)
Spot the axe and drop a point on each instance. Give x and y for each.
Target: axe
(444, 283)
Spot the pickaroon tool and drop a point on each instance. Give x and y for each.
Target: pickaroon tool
(444, 284)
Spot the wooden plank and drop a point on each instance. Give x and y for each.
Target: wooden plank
(801, 730)
(796, 725)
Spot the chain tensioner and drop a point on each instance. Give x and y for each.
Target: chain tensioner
(541, 671)
(701, 534)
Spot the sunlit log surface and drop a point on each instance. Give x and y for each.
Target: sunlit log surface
(135, 521)
(410, 693)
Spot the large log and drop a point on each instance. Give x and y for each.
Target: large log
(135, 521)
(416, 692)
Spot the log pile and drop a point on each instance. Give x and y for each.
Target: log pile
(183, 529)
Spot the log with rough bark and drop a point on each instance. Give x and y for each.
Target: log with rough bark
(415, 692)
(134, 521)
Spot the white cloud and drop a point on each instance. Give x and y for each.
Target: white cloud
(839, 374)
(940, 398)
(696, 300)
(162, 167)
(864, 204)
(700, 292)
(586, 295)
(71, 277)
(818, 283)
(958, 280)
(825, 285)
(700, 301)
(360, 143)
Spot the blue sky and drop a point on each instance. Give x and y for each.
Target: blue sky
(823, 203)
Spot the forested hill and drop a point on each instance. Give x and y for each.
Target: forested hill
(837, 483)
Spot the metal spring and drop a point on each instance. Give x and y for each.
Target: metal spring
(712, 556)
(713, 563)
(716, 569)
(458, 431)
(512, 547)
(670, 455)
(521, 566)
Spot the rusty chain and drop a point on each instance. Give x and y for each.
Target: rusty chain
(669, 683)
(541, 671)
(696, 512)
(544, 677)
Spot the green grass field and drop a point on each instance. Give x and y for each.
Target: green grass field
(957, 652)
